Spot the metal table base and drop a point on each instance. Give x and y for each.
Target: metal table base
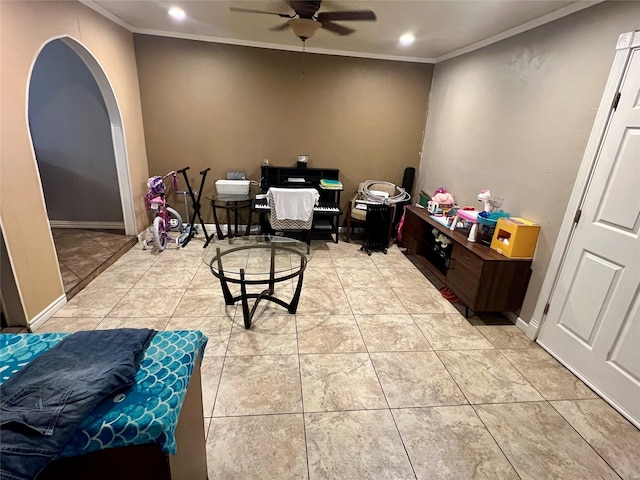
(268, 293)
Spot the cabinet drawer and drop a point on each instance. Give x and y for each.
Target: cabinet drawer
(412, 232)
(464, 273)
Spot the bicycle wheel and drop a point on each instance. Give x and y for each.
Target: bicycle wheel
(159, 233)
(175, 220)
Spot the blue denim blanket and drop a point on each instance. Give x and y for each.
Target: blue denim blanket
(146, 412)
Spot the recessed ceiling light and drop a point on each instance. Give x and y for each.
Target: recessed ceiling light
(177, 13)
(407, 39)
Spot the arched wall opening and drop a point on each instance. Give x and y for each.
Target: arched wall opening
(108, 164)
(77, 136)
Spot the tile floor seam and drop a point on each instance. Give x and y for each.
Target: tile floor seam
(359, 409)
(586, 441)
(215, 397)
(421, 332)
(404, 446)
(304, 418)
(128, 290)
(523, 375)
(496, 441)
(373, 365)
(453, 378)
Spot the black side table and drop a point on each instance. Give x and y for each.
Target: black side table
(231, 203)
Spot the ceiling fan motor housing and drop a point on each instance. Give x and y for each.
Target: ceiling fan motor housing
(306, 8)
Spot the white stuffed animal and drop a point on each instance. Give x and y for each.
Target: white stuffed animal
(490, 204)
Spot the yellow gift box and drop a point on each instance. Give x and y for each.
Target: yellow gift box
(515, 237)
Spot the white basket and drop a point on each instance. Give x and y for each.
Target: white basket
(232, 187)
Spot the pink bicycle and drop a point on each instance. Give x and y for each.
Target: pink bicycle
(166, 219)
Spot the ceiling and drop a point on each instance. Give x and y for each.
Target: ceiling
(442, 28)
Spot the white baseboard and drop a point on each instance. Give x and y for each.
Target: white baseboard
(47, 313)
(87, 225)
(530, 329)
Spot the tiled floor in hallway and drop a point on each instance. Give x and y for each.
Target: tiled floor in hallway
(376, 376)
(84, 254)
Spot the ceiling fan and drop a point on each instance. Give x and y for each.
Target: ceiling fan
(306, 20)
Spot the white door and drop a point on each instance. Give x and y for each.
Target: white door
(593, 320)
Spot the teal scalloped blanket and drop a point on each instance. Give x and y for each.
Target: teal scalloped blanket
(147, 412)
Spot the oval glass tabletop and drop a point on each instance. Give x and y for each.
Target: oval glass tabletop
(253, 254)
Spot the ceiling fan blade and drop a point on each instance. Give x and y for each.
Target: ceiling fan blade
(279, 28)
(352, 15)
(335, 28)
(249, 10)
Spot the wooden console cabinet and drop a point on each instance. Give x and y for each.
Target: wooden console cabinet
(482, 278)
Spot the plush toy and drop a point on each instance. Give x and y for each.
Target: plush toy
(490, 204)
(442, 241)
(442, 197)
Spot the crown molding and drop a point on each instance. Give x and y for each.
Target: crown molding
(278, 46)
(563, 12)
(105, 13)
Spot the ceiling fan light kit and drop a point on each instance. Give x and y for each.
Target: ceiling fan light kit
(304, 28)
(177, 13)
(306, 20)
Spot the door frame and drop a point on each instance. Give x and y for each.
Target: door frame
(115, 122)
(626, 42)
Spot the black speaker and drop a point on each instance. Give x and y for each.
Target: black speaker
(407, 179)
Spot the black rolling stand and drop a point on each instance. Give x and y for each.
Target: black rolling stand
(376, 228)
(195, 201)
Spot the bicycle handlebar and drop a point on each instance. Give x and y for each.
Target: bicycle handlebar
(204, 171)
(183, 170)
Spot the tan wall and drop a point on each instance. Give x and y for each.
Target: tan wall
(25, 28)
(515, 118)
(229, 107)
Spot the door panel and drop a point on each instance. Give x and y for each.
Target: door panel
(620, 208)
(593, 321)
(587, 299)
(624, 354)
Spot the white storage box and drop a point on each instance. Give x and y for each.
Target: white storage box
(232, 187)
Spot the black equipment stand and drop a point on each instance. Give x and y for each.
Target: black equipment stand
(376, 228)
(196, 207)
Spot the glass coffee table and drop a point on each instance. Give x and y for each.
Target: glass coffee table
(257, 260)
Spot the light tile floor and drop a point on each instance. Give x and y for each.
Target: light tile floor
(375, 377)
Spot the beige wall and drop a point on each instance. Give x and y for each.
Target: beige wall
(25, 27)
(229, 107)
(515, 118)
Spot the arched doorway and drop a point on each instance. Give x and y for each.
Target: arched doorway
(77, 135)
